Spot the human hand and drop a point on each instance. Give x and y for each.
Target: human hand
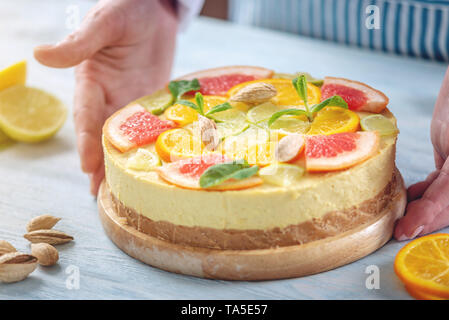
(428, 209)
(123, 50)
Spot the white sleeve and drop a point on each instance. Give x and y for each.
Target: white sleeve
(187, 10)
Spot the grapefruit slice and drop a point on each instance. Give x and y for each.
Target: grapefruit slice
(186, 173)
(340, 150)
(218, 81)
(133, 127)
(358, 96)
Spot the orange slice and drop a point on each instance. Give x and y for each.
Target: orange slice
(419, 295)
(423, 265)
(287, 95)
(184, 115)
(176, 144)
(332, 120)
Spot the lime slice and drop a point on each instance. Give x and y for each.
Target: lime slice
(281, 174)
(29, 114)
(157, 102)
(238, 146)
(230, 122)
(380, 123)
(262, 112)
(13, 75)
(288, 125)
(143, 160)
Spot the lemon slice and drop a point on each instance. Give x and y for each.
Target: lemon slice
(5, 141)
(143, 160)
(29, 114)
(379, 123)
(230, 122)
(13, 75)
(281, 174)
(157, 102)
(262, 112)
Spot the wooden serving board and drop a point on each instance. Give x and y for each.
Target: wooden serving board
(263, 264)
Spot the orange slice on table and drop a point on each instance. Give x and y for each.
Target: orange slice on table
(184, 115)
(286, 93)
(176, 144)
(423, 265)
(419, 295)
(332, 120)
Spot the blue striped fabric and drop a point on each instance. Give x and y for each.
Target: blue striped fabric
(418, 28)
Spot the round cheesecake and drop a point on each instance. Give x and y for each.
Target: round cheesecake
(318, 205)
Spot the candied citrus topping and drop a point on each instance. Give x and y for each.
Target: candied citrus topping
(330, 146)
(184, 115)
(354, 98)
(143, 127)
(379, 123)
(178, 144)
(221, 84)
(195, 167)
(286, 93)
(331, 120)
(340, 150)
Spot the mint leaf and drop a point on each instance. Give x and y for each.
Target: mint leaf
(219, 173)
(219, 108)
(178, 88)
(300, 85)
(200, 103)
(189, 104)
(335, 101)
(291, 112)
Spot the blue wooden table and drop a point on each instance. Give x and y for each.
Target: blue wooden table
(46, 178)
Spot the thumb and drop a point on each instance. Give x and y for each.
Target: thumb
(101, 27)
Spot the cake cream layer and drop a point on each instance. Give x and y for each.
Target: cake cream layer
(331, 224)
(263, 207)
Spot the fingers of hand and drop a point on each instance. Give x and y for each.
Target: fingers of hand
(423, 215)
(95, 180)
(102, 26)
(89, 116)
(416, 190)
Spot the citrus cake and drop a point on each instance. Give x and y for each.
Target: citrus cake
(244, 158)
